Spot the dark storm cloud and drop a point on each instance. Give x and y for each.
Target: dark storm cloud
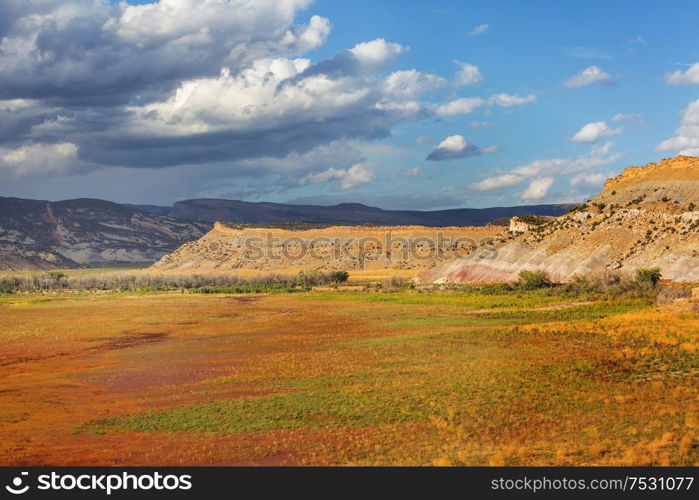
(154, 152)
(87, 53)
(108, 84)
(208, 89)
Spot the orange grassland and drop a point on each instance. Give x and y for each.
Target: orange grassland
(346, 377)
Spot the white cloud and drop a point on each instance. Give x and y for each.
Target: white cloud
(469, 74)
(12, 105)
(76, 49)
(565, 166)
(588, 76)
(593, 132)
(466, 105)
(497, 182)
(602, 149)
(537, 189)
(478, 30)
(506, 100)
(454, 147)
(354, 176)
(40, 159)
(626, 117)
(586, 166)
(201, 22)
(687, 139)
(689, 77)
(423, 139)
(592, 180)
(377, 54)
(462, 106)
(411, 83)
(255, 99)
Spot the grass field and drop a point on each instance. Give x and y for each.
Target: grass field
(347, 377)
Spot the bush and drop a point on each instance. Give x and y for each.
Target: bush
(340, 276)
(648, 276)
(534, 280)
(308, 279)
(496, 289)
(396, 282)
(614, 285)
(599, 281)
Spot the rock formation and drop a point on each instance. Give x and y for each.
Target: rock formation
(646, 217)
(314, 247)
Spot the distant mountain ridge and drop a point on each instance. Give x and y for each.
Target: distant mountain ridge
(243, 212)
(40, 234)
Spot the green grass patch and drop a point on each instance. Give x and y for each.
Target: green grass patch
(332, 407)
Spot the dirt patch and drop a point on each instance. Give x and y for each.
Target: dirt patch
(128, 340)
(245, 300)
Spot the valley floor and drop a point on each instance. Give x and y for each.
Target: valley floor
(346, 377)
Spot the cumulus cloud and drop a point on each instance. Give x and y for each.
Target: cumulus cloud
(466, 105)
(542, 174)
(454, 147)
(688, 77)
(537, 189)
(469, 74)
(40, 159)
(411, 83)
(595, 180)
(506, 100)
(462, 106)
(686, 140)
(274, 106)
(218, 89)
(354, 176)
(98, 53)
(497, 182)
(478, 30)
(377, 54)
(593, 132)
(588, 76)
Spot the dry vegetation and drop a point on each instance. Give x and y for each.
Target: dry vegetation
(494, 375)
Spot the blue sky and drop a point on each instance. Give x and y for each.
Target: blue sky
(105, 120)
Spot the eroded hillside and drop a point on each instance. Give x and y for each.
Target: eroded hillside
(316, 247)
(646, 217)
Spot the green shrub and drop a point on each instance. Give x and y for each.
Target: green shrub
(396, 282)
(648, 276)
(339, 276)
(533, 280)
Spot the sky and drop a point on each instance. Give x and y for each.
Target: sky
(396, 104)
